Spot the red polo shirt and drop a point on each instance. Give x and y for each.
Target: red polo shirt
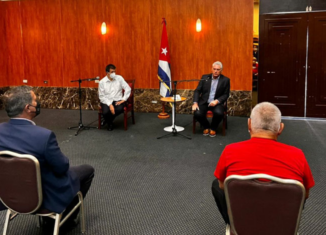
(265, 156)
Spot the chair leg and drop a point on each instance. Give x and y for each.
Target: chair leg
(39, 222)
(99, 121)
(82, 213)
(227, 230)
(57, 224)
(194, 125)
(6, 222)
(125, 119)
(226, 121)
(133, 116)
(223, 126)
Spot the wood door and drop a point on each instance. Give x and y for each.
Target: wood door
(282, 61)
(316, 82)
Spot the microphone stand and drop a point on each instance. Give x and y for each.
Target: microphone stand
(174, 130)
(80, 124)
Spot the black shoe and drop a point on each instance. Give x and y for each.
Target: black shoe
(110, 127)
(69, 224)
(47, 222)
(103, 122)
(47, 225)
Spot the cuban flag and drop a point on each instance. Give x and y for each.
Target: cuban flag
(164, 72)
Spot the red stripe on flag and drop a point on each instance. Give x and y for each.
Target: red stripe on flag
(164, 49)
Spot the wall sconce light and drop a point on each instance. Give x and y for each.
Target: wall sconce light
(198, 25)
(103, 28)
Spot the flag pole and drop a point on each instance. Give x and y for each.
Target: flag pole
(163, 114)
(164, 73)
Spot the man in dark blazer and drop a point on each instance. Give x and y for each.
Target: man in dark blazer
(211, 93)
(60, 182)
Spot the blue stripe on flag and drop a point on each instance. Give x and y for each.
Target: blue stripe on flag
(165, 78)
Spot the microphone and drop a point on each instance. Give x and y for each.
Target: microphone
(93, 79)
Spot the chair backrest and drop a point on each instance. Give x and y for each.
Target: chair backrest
(131, 83)
(20, 182)
(263, 204)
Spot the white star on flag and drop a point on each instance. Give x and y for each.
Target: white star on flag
(164, 51)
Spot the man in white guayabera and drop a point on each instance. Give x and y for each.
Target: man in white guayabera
(112, 98)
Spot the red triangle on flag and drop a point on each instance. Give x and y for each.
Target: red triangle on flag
(164, 49)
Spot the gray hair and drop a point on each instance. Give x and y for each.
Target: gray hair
(16, 99)
(265, 116)
(218, 63)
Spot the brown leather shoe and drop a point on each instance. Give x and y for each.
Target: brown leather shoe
(212, 133)
(206, 132)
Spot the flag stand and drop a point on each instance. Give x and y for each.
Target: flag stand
(163, 114)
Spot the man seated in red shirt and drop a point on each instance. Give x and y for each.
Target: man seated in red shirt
(261, 154)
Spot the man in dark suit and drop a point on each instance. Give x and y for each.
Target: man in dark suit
(60, 182)
(211, 93)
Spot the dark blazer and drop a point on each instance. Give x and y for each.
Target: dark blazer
(60, 185)
(203, 89)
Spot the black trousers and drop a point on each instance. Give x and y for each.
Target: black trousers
(219, 196)
(85, 173)
(218, 112)
(108, 116)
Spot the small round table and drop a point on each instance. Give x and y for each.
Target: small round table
(171, 100)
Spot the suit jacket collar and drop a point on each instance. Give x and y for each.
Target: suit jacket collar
(219, 83)
(21, 121)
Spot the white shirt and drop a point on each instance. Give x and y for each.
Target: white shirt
(213, 89)
(109, 91)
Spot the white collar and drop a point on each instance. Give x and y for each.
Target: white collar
(108, 79)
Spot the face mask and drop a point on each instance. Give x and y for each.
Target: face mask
(112, 75)
(37, 108)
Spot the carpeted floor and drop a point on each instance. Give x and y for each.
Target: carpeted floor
(148, 186)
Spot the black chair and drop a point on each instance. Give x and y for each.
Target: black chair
(21, 190)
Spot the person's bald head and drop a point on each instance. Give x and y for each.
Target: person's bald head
(266, 117)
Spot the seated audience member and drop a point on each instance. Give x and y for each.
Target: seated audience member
(60, 181)
(111, 97)
(261, 154)
(211, 93)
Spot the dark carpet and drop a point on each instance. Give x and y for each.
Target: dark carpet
(143, 185)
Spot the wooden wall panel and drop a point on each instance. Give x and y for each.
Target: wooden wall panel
(69, 39)
(62, 40)
(236, 24)
(15, 44)
(157, 10)
(3, 47)
(186, 43)
(140, 55)
(81, 41)
(41, 24)
(118, 42)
